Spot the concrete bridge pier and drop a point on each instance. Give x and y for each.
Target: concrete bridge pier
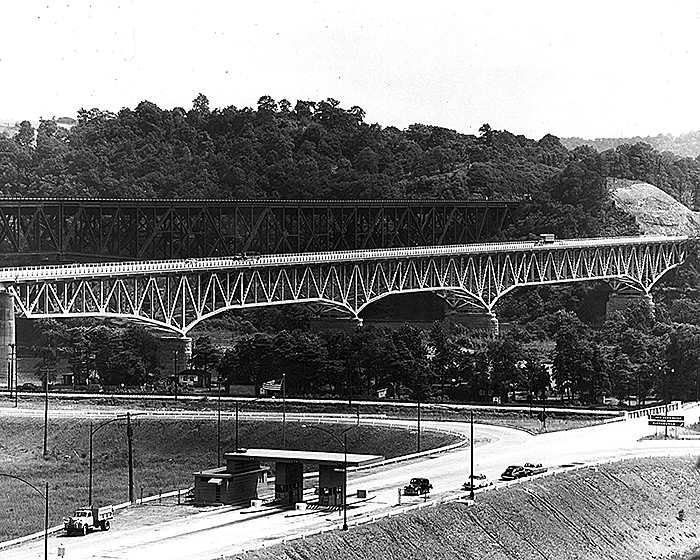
(185, 350)
(8, 348)
(621, 299)
(335, 322)
(484, 321)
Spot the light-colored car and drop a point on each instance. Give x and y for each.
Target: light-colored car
(476, 481)
(532, 468)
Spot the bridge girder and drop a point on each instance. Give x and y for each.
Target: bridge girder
(177, 295)
(90, 230)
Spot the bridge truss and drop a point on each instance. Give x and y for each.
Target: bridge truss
(91, 230)
(176, 295)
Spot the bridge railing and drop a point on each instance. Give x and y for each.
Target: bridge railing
(652, 411)
(135, 267)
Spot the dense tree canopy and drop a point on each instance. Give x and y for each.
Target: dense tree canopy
(319, 150)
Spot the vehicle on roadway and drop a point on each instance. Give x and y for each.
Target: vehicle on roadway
(88, 519)
(29, 388)
(534, 469)
(513, 472)
(476, 481)
(417, 486)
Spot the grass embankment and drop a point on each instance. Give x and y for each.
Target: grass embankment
(645, 508)
(166, 452)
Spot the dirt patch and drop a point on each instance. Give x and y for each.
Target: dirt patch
(155, 512)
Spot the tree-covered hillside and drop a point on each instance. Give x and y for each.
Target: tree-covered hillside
(319, 150)
(683, 145)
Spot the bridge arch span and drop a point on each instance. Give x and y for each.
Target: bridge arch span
(178, 294)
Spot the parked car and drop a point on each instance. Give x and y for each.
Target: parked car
(476, 481)
(29, 387)
(417, 486)
(534, 469)
(513, 472)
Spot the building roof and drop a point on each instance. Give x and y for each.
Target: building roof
(297, 456)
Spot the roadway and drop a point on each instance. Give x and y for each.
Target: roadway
(228, 530)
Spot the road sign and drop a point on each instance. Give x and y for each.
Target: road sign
(542, 416)
(666, 423)
(664, 417)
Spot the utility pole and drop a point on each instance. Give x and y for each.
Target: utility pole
(46, 412)
(177, 377)
(130, 438)
(284, 411)
(471, 441)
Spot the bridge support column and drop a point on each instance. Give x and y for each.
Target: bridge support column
(8, 348)
(621, 300)
(186, 349)
(325, 323)
(483, 321)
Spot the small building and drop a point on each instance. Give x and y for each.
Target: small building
(237, 482)
(195, 378)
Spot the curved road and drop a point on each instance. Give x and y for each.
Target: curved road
(228, 530)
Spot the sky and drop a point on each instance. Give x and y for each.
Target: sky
(592, 69)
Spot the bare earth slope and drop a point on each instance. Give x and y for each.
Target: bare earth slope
(642, 508)
(657, 213)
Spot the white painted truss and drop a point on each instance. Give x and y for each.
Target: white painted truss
(178, 294)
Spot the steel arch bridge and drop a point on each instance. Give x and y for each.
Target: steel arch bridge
(103, 230)
(176, 295)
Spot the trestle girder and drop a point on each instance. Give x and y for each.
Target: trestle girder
(90, 230)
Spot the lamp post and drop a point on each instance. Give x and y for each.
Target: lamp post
(12, 373)
(46, 413)
(45, 495)
(218, 420)
(471, 446)
(471, 450)
(177, 377)
(344, 443)
(284, 411)
(129, 435)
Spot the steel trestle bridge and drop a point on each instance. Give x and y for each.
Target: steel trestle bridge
(176, 295)
(106, 230)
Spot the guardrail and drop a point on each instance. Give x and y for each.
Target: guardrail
(654, 410)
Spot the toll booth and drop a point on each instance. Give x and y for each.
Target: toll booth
(331, 480)
(289, 482)
(237, 482)
(232, 484)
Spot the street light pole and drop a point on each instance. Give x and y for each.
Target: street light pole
(45, 495)
(177, 377)
(218, 420)
(130, 438)
(284, 411)
(12, 366)
(419, 423)
(471, 441)
(344, 443)
(46, 413)
(345, 479)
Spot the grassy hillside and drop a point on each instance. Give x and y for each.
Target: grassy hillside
(635, 509)
(166, 453)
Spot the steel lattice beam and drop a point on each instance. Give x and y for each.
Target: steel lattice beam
(178, 294)
(81, 230)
